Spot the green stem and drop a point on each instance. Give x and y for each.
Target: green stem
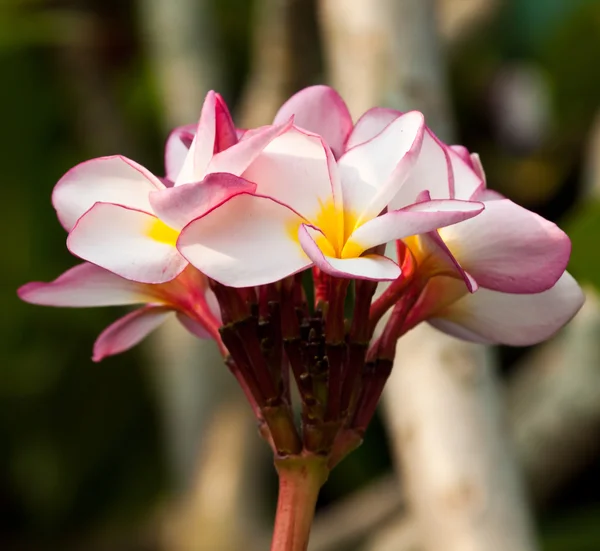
(300, 479)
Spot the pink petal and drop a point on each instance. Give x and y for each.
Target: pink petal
(195, 328)
(516, 320)
(373, 267)
(508, 248)
(176, 149)
(465, 180)
(226, 133)
(372, 173)
(412, 220)
(432, 172)
(294, 169)
(371, 124)
(85, 285)
(127, 242)
(203, 145)
(248, 240)
(128, 331)
(240, 156)
(179, 205)
(321, 110)
(108, 179)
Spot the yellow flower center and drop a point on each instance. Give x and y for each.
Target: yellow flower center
(159, 231)
(336, 226)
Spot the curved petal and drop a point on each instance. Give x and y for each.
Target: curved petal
(85, 285)
(370, 124)
(465, 180)
(179, 205)
(432, 172)
(412, 220)
(248, 240)
(130, 243)
(203, 145)
(373, 172)
(508, 248)
(225, 131)
(195, 328)
(373, 267)
(107, 179)
(294, 169)
(129, 330)
(240, 156)
(176, 149)
(319, 109)
(516, 320)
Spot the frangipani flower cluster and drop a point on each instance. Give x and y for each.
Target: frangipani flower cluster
(378, 208)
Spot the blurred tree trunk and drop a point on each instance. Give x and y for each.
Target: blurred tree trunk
(442, 401)
(285, 57)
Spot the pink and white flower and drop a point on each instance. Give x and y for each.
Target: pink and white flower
(496, 277)
(115, 209)
(187, 297)
(309, 209)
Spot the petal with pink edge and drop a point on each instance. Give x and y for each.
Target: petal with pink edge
(176, 149)
(203, 145)
(432, 173)
(508, 248)
(108, 179)
(85, 285)
(370, 124)
(129, 243)
(373, 267)
(240, 156)
(294, 169)
(128, 331)
(195, 328)
(516, 320)
(372, 173)
(412, 220)
(319, 109)
(249, 240)
(465, 180)
(179, 205)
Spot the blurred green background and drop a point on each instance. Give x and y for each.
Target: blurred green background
(83, 458)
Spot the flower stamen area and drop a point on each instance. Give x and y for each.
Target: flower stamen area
(159, 231)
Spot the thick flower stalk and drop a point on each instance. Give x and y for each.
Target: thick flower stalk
(248, 224)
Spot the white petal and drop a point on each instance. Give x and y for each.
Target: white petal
(176, 149)
(128, 331)
(373, 267)
(516, 320)
(294, 169)
(130, 243)
(321, 110)
(465, 181)
(508, 248)
(412, 220)
(179, 205)
(107, 179)
(371, 124)
(247, 241)
(203, 145)
(85, 285)
(237, 158)
(432, 172)
(372, 173)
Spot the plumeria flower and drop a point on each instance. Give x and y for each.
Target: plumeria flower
(115, 209)
(497, 277)
(310, 210)
(187, 296)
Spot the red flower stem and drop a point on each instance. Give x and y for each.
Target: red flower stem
(300, 479)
